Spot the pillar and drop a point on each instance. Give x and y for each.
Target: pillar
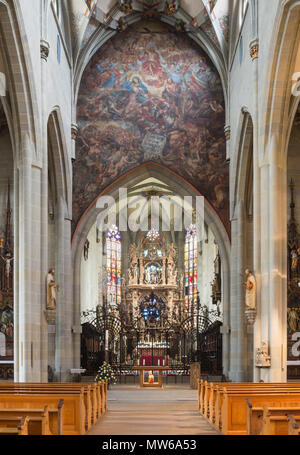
(64, 312)
(29, 329)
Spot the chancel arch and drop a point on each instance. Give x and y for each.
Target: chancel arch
(90, 278)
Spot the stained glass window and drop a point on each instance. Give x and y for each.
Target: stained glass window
(190, 264)
(113, 266)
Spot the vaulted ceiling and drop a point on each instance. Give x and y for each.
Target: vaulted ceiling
(208, 18)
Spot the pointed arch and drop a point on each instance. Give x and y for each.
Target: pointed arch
(14, 48)
(181, 187)
(243, 161)
(59, 160)
(279, 84)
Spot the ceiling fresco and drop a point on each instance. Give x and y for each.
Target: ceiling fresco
(151, 94)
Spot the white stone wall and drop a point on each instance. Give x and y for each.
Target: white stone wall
(90, 273)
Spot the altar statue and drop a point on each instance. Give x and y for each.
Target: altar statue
(151, 377)
(250, 286)
(51, 290)
(292, 320)
(133, 253)
(7, 260)
(172, 254)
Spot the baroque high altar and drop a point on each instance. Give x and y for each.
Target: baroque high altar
(154, 289)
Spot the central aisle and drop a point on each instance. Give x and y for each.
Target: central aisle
(168, 411)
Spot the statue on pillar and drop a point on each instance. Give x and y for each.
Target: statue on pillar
(51, 290)
(250, 286)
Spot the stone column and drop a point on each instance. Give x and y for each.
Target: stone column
(29, 366)
(238, 352)
(226, 317)
(278, 268)
(64, 310)
(273, 305)
(76, 306)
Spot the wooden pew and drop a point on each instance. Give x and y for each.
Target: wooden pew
(95, 396)
(38, 420)
(216, 396)
(74, 415)
(41, 421)
(57, 388)
(234, 407)
(294, 428)
(254, 419)
(275, 420)
(259, 419)
(92, 395)
(15, 426)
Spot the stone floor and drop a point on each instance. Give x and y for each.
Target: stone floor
(168, 411)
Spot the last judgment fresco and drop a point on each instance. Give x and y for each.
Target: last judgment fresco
(151, 94)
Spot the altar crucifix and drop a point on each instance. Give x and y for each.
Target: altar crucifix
(6, 254)
(7, 259)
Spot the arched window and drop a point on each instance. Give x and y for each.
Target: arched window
(190, 263)
(113, 266)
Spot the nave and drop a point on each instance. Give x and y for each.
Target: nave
(169, 411)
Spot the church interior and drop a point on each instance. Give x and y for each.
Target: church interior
(149, 216)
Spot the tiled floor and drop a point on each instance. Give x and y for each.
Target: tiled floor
(169, 411)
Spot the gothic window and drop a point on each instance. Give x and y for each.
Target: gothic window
(113, 266)
(190, 263)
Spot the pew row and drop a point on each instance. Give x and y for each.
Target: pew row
(225, 405)
(95, 395)
(73, 415)
(47, 421)
(15, 426)
(266, 421)
(90, 403)
(294, 427)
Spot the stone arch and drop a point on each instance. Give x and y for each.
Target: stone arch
(242, 159)
(182, 187)
(59, 158)
(13, 48)
(279, 83)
